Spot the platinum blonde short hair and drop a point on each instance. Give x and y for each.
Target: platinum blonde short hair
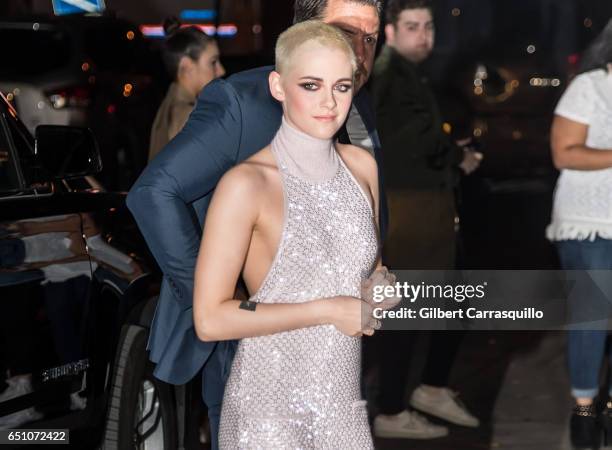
(311, 31)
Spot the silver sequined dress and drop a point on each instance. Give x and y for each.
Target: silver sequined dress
(301, 389)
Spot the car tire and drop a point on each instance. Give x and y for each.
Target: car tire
(141, 412)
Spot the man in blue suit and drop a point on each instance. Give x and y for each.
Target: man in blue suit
(233, 119)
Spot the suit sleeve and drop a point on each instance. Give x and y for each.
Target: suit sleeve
(187, 169)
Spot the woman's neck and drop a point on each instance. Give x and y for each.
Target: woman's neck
(304, 156)
(188, 85)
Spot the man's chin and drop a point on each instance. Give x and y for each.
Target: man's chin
(423, 55)
(417, 58)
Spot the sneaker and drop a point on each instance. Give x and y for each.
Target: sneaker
(443, 403)
(407, 425)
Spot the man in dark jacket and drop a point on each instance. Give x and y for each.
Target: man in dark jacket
(422, 167)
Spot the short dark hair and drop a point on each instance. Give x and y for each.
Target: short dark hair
(395, 8)
(188, 41)
(315, 9)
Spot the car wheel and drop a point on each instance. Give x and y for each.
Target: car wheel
(141, 411)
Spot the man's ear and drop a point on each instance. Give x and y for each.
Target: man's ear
(276, 89)
(390, 33)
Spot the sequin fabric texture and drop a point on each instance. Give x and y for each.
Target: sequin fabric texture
(301, 389)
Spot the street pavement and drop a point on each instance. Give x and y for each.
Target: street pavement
(517, 384)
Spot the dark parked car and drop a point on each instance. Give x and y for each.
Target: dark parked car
(93, 71)
(77, 294)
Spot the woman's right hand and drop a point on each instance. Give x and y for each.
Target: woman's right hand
(351, 316)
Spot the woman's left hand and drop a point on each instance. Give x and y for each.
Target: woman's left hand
(379, 279)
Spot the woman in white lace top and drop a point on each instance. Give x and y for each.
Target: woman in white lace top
(581, 226)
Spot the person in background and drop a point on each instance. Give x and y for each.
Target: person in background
(581, 226)
(191, 58)
(422, 168)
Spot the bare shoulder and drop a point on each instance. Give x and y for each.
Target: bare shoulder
(262, 161)
(251, 175)
(359, 161)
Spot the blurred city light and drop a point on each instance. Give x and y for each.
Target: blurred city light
(198, 14)
(127, 90)
(224, 30)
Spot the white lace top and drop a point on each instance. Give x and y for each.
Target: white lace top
(582, 206)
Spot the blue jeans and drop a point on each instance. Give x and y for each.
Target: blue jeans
(586, 348)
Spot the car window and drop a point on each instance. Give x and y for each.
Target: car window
(23, 143)
(32, 52)
(9, 181)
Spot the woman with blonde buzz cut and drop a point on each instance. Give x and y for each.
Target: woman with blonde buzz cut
(298, 220)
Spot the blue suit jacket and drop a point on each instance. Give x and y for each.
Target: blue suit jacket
(233, 119)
